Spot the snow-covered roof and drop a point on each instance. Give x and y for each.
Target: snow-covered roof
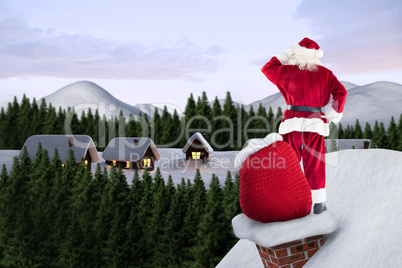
(364, 191)
(81, 144)
(126, 149)
(200, 137)
(345, 144)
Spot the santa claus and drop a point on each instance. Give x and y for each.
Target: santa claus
(307, 87)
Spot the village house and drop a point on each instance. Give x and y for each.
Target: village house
(131, 152)
(345, 144)
(197, 147)
(82, 146)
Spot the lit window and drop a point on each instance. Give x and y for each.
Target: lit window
(127, 164)
(114, 162)
(147, 162)
(196, 155)
(85, 162)
(62, 165)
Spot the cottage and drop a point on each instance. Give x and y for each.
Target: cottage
(345, 144)
(197, 147)
(136, 153)
(82, 146)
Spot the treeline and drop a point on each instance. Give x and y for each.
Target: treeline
(54, 216)
(226, 126)
(390, 138)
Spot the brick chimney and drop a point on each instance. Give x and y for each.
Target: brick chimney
(293, 254)
(288, 244)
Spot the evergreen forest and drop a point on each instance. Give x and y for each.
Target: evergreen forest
(54, 216)
(227, 127)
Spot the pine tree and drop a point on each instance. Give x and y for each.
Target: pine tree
(392, 135)
(177, 130)
(203, 109)
(195, 209)
(242, 136)
(229, 123)
(211, 234)
(341, 132)
(278, 119)
(116, 250)
(145, 214)
(271, 118)
(399, 129)
(166, 127)
(358, 134)
(190, 110)
(217, 124)
(367, 134)
(262, 125)
(131, 126)
(133, 228)
(24, 121)
(173, 235)
(230, 205)
(3, 129)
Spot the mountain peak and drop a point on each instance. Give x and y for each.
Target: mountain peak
(83, 95)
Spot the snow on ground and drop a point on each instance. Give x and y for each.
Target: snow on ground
(364, 191)
(172, 162)
(6, 158)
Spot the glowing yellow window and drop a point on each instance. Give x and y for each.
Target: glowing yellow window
(114, 162)
(147, 162)
(127, 164)
(85, 162)
(196, 155)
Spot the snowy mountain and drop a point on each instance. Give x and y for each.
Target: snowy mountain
(85, 94)
(365, 199)
(377, 101)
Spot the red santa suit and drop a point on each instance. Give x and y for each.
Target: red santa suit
(302, 80)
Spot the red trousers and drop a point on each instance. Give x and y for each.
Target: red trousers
(310, 147)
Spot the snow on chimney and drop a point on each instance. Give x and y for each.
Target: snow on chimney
(292, 254)
(287, 244)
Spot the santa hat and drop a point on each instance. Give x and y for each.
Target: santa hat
(306, 47)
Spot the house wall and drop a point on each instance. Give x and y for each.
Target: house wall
(196, 146)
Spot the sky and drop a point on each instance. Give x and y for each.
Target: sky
(160, 51)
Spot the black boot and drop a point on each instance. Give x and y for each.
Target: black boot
(319, 207)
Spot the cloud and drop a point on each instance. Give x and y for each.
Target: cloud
(27, 52)
(356, 36)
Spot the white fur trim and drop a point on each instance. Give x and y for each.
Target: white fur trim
(333, 116)
(301, 124)
(319, 195)
(283, 57)
(299, 50)
(253, 146)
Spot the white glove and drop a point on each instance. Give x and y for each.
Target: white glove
(333, 116)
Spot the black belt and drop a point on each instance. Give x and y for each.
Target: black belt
(305, 109)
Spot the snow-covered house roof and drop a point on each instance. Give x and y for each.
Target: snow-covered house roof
(345, 144)
(80, 144)
(200, 137)
(129, 149)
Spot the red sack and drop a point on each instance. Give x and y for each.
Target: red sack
(273, 186)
